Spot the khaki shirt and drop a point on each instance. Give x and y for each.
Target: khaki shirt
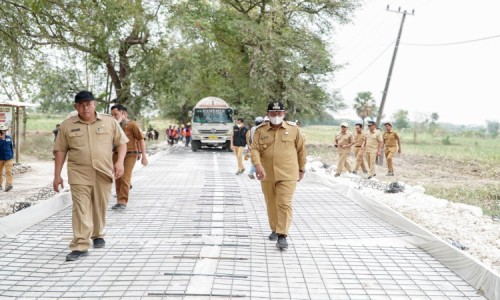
(372, 140)
(281, 152)
(359, 138)
(89, 147)
(391, 139)
(133, 133)
(344, 139)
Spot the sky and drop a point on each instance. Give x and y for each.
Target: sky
(460, 82)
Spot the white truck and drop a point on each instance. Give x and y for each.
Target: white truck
(211, 123)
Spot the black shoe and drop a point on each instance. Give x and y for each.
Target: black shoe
(119, 206)
(130, 187)
(8, 188)
(354, 172)
(336, 175)
(75, 255)
(99, 243)
(282, 243)
(273, 236)
(390, 174)
(251, 176)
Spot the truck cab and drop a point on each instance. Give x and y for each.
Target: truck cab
(212, 122)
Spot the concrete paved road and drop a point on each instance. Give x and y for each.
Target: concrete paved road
(195, 229)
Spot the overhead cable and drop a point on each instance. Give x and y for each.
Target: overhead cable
(368, 66)
(453, 43)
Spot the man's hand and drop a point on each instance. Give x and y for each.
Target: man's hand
(260, 173)
(118, 169)
(301, 175)
(55, 184)
(144, 160)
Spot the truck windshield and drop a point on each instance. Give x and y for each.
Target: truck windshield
(213, 115)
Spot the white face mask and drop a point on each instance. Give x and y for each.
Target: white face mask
(239, 125)
(277, 120)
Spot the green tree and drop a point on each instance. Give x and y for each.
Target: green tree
(365, 106)
(264, 50)
(112, 34)
(401, 119)
(492, 128)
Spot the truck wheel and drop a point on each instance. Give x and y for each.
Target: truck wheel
(228, 146)
(195, 145)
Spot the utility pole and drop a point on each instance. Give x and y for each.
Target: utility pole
(380, 159)
(388, 81)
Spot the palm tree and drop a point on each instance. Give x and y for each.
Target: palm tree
(365, 105)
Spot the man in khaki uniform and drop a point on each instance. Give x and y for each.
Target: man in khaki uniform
(359, 139)
(136, 149)
(372, 147)
(392, 144)
(88, 139)
(279, 156)
(343, 142)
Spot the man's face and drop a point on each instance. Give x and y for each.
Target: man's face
(388, 127)
(86, 110)
(343, 129)
(358, 129)
(117, 114)
(238, 122)
(372, 127)
(2, 133)
(272, 114)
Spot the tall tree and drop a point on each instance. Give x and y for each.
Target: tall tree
(401, 119)
(365, 105)
(266, 50)
(113, 33)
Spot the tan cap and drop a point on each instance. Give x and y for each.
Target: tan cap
(4, 127)
(344, 124)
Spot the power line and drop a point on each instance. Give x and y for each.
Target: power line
(453, 43)
(368, 66)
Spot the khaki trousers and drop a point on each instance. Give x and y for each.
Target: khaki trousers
(239, 156)
(89, 211)
(122, 184)
(343, 162)
(389, 154)
(370, 159)
(360, 161)
(8, 164)
(278, 195)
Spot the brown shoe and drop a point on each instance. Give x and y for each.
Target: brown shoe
(8, 188)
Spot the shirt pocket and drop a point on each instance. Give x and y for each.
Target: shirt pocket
(76, 138)
(288, 141)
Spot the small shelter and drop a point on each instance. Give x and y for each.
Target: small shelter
(9, 115)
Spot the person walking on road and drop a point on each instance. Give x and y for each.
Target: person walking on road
(250, 134)
(239, 142)
(6, 157)
(372, 147)
(392, 144)
(187, 134)
(88, 139)
(136, 149)
(279, 156)
(343, 142)
(359, 139)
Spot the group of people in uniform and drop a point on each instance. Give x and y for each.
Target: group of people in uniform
(99, 148)
(367, 145)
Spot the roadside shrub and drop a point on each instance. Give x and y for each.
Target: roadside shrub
(446, 140)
